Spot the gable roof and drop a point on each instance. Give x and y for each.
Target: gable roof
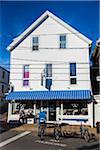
(42, 18)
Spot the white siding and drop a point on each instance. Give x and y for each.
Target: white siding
(76, 51)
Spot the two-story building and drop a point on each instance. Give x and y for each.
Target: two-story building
(4, 88)
(50, 71)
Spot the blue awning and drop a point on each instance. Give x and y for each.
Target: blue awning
(50, 95)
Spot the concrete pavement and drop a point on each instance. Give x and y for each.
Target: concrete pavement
(31, 141)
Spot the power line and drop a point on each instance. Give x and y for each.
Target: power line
(43, 61)
(40, 79)
(53, 67)
(44, 68)
(40, 73)
(42, 64)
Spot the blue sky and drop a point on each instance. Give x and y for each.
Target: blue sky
(16, 16)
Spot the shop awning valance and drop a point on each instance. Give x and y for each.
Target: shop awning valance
(50, 95)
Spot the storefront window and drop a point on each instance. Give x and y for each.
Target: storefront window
(75, 108)
(15, 108)
(27, 107)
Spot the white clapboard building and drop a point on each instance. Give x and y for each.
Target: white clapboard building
(50, 72)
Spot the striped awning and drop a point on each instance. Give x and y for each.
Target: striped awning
(50, 95)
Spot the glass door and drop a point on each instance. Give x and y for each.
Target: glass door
(52, 111)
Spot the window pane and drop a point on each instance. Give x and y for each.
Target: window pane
(62, 41)
(35, 47)
(72, 69)
(26, 68)
(26, 71)
(62, 37)
(3, 74)
(25, 82)
(72, 80)
(48, 70)
(35, 40)
(35, 43)
(48, 84)
(73, 108)
(26, 74)
(62, 45)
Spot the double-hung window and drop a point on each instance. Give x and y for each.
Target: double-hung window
(73, 79)
(62, 41)
(48, 76)
(35, 43)
(26, 75)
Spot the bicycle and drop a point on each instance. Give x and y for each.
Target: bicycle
(42, 131)
(84, 133)
(42, 125)
(57, 132)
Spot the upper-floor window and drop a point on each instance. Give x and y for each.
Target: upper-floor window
(3, 74)
(48, 82)
(26, 75)
(48, 70)
(2, 88)
(35, 43)
(26, 71)
(72, 69)
(62, 41)
(73, 79)
(8, 78)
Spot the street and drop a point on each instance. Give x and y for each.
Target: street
(28, 140)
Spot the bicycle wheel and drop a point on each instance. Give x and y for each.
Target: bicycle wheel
(86, 136)
(39, 131)
(42, 134)
(57, 135)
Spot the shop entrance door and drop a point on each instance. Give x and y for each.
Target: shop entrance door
(52, 111)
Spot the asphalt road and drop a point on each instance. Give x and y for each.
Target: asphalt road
(14, 140)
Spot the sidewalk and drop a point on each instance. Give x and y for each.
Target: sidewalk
(65, 128)
(26, 127)
(3, 117)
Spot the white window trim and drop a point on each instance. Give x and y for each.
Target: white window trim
(70, 77)
(25, 78)
(63, 41)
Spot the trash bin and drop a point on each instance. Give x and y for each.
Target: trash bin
(98, 127)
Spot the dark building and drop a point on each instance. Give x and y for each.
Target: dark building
(4, 87)
(95, 69)
(95, 82)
